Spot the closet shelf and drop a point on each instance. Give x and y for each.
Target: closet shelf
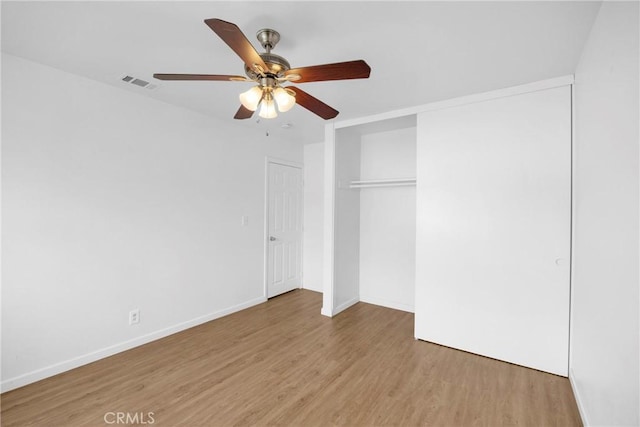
(393, 182)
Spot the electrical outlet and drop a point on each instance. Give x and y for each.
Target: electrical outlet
(134, 316)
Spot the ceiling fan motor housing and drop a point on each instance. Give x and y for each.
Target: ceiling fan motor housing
(276, 63)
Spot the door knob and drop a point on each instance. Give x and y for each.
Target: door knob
(271, 238)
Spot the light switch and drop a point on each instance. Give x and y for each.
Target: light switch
(244, 221)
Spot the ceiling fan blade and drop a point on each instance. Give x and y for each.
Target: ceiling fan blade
(237, 41)
(243, 113)
(212, 77)
(313, 104)
(338, 71)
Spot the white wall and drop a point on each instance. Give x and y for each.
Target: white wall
(604, 339)
(388, 220)
(313, 216)
(113, 201)
(347, 221)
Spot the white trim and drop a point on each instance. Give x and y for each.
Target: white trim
(49, 371)
(283, 162)
(329, 220)
(387, 303)
(265, 227)
(572, 242)
(377, 117)
(342, 307)
(572, 381)
(578, 398)
(463, 100)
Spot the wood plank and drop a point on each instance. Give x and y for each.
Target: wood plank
(281, 362)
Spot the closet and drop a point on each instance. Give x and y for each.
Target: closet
(488, 218)
(375, 196)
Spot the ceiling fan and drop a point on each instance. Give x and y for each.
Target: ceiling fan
(269, 71)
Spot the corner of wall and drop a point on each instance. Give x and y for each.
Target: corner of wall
(578, 398)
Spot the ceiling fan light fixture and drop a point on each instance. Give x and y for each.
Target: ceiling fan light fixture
(251, 98)
(284, 98)
(268, 107)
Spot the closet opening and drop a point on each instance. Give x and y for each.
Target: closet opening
(375, 214)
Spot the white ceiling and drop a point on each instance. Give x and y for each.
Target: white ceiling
(419, 51)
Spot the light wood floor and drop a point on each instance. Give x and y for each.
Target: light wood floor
(282, 363)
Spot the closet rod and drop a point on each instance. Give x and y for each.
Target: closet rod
(395, 182)
(383, 181)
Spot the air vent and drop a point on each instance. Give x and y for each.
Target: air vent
(138, 82)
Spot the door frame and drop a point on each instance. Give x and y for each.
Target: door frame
(269, 161)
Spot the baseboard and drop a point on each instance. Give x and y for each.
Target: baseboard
(579, 401)
(386, 303)
(342, 307)
(319, 291)
(67, 365)
(312, 287)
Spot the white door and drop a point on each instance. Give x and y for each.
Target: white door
(493, 228)
(284, 231)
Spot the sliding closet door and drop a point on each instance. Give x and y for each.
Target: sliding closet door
(493, 228)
